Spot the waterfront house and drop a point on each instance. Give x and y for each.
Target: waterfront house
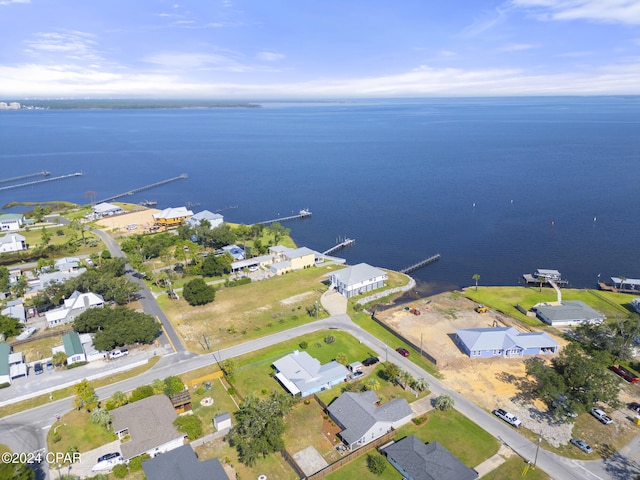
(11, 221)
(146, 426)
(182, 464)
(503, 342)
(105, 209)
(635, 303)
(13, 242)
(290, 259)
(358, 279)
(303, 375)
(235, 251)
(214, 219)
(363, 419)
(416, 460)
(568, 313)
(73, 306)
(172, 217)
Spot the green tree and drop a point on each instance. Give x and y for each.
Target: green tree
(372, 384)
(118, 399)
(16, 471)
(376, 463)
(4, 279)
(59, 359)
(45, 236)
(85, 396)
(172, 385)
(197, 292)
(342, 358)
(191, 425)
(406, 378)
(9, 326)
(278, 231)
(444, 402)
(421, 384)
(141, 392)
(229, 367)
(476, 278)
(121, 470)
(390, 371)
(102, 417)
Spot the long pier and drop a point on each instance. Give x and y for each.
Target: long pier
(346, 243)
(422, 263)
(36, 182)
(303, 214)
(43, 173)
(145, 187)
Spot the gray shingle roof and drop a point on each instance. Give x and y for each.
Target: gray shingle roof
(429, 461)
(575, 310)
(306, 372)
(503, 338)
(357, 274)
(182, 464)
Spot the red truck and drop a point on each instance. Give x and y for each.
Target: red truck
(624, 373)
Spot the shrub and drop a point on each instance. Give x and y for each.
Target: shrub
(197, 292)
(303, 345)
(200, 391)
(4, 385)
(376, 463)
(141, 392)
(120, 471)
(329, 339)
(135, 464)
(76, 364)
(191, 425)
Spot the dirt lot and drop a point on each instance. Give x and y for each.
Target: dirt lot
(123, 224)
(490, 382)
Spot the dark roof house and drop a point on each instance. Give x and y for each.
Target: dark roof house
(417, 460)
(182, 464)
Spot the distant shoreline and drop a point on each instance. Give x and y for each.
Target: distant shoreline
(130, 104)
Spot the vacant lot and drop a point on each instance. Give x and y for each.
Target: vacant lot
(142, 218)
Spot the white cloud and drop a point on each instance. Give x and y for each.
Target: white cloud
(607, 11)
(9, 2)
(269, 56)
(517, 47)
(77, 45)
(487, 21)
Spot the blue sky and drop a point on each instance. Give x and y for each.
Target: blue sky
(259, 49)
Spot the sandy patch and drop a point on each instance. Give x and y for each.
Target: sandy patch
(123, 224)
(295, 298)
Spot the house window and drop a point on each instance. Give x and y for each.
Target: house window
(475, 353)
(497, 352)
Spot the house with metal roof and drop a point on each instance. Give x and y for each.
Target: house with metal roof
(358, 279)
(416, 460)
(170, 217)
(15, 309)
(13, 242)
(11, 221)
(214, 219)
(42, 281)
(72, 348)
(363, 419)
(504, 342)
(67, 264)
(148, 423)
(11, 364)
(291, 259)
(106, 209)
(303, 375)
(73, 306)
(182, 464)
(567, 313)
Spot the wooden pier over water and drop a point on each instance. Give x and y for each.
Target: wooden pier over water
(422, 263)
(346, 243)
(304, 213)
(146, 187)
(43, 173)
(36, 182)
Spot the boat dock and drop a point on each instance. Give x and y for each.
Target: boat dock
(422, 263)
(36, 182)
(346, 243)
(530, 279)
(146, 187)
(304, 213)
(43, 173)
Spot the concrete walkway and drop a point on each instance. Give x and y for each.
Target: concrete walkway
(334, 303)
(493, 462)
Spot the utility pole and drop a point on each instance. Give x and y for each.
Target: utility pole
(535, 460)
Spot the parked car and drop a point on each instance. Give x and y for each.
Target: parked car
(402, 351)
(600, 415)
(367, 362)
(357, 374)
(635, 406)
(510, 418)
(117, 353)
(582, 445)
(37, 368)
(107, 462)
(109, 456)
(49, 365)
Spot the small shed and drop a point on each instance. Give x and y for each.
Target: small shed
(356, 367)
(222, 421)
(181, 401)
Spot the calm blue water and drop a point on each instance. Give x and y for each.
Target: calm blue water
(498, 187)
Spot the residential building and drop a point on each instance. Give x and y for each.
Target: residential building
(172, 217)
(148, 423)
(303, 375)
(67, 264)
(363, 419)
(13, 242)
(235, 251)
(504, 342)
(568, 313)
(182, 464)
(105, 209)
(15, 309)
(291, 259)
(5, 350)
(73, 306)
(214, 219)
(358, 279)
(72, 348)
(635, 303)
(416, 460)
(11, 364)
(42, 281)
(11, 221)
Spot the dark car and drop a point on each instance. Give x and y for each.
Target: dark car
(37, 368)
(635, 406)
(108, 456)
(49, 365)
(367, 362)
(402, 351)
(582, 445)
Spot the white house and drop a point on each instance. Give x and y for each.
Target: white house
(36, 284)
(214, 219)
(363, 419)
(15, 309)
(568, 313)
(12, 242)
(67, 264)
(302, 374)
(11, 221)
(358, 279)
(105, 209)
(72, 348)
(73, 306)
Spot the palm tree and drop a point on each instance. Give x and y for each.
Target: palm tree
(405, 377)
(476, 278)
(622, 280)
(101, 416)
(119, 398)
(342, 358)
(541, 281)
(421, 384)
(444, 402)
(372, 384)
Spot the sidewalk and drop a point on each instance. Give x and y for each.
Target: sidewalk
(494, 462)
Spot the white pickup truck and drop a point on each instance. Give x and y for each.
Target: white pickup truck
(117, 353)
(600, 415)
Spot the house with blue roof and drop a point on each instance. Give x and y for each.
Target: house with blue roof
(303, 375)
(504, 342)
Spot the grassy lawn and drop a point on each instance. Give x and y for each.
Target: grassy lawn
(358, 469)
(505, 299)
(248, 311)
(254, 371)
(76, 430)
(222, 403)
(462, 437)
(513, 468)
